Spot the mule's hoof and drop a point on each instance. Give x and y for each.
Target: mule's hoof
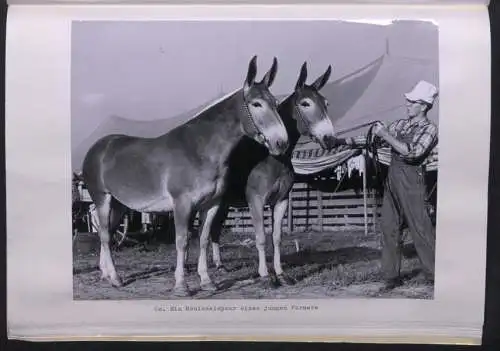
(115, 282)
(222, 269)
(208, 286)
(267, 282)
(181, 291)
(285, 280)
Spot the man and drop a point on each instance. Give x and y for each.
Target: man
(411, 140)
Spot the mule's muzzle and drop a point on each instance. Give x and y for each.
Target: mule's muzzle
(276, 144)
(277, 147)
(281, 146)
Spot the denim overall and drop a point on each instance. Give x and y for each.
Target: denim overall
(404, 204)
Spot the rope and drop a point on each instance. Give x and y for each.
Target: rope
(340, 182)
(371, 147)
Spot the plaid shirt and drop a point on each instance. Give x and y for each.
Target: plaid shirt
(425, 135)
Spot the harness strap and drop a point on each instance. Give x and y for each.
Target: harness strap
(248, 121)
(371, 147)
(301, 119)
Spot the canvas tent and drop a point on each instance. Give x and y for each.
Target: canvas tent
(372, 92)
(121, 125)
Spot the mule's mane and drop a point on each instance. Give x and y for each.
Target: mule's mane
(215, 102)
(285, 107)
(286, 110)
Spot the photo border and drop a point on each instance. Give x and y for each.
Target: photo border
(460, 103)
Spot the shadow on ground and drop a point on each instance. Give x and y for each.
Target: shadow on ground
(328, 265)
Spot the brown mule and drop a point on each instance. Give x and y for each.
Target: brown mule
(183, 171)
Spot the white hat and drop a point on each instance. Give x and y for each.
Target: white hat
(423, 91)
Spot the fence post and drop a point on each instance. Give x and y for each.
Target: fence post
(364, 194)
(236, 226)
(290, 211)
(320, 210)
(374, 209)
(308, 206)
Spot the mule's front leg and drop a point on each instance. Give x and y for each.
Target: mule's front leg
(106, 264)
(181, 221)
(215, 235)
(257, 211)
(216, 255)
(279, 213)
(208, 217)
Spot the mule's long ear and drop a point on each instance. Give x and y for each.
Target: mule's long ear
(271, 74)
(321, 81)
(252, 72)
(302, 76)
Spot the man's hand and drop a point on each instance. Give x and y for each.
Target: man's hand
(379, 129)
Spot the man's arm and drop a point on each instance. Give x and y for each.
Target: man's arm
(360, 141)
(399, 146)
(422, 142)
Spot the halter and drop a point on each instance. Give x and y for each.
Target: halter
(248, 122)
(300, 118)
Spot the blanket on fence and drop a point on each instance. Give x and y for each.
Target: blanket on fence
(313, 159)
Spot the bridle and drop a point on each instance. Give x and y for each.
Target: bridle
(249, 123)
(302, 121)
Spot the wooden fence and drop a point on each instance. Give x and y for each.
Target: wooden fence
(312, 209)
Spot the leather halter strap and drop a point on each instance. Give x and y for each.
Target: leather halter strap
(248, 122)
(301, 119)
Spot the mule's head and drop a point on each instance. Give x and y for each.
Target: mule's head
(311, 109)
(260, 119)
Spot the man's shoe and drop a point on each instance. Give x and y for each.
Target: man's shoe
(428, 278)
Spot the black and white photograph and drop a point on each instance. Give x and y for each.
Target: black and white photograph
(264, 159)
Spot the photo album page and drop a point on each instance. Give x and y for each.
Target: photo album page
(277, 171)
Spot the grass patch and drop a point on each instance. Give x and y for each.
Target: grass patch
(341, 264)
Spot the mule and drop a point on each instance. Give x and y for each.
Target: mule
(183, 170)
(258, 178)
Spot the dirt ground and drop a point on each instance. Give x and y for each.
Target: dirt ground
(340, 264)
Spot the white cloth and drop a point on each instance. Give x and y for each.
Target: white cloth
(145, 218)
(357, 163)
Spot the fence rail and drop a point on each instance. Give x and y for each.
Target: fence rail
(309, 209)
(313, 210)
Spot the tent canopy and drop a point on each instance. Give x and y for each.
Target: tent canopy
(371, 92)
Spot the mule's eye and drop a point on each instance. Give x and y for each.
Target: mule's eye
(326, 103)
(305, 104)
(256, 104)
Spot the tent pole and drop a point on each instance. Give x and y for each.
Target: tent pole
(364, 196)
